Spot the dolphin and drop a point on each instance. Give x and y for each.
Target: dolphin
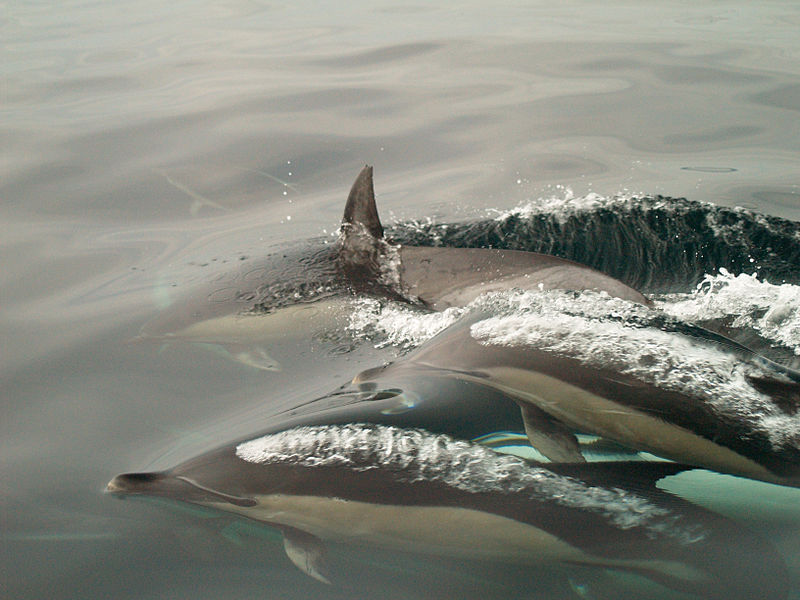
(442, 277)
(410, 490)
(592, 364)
(260, 304)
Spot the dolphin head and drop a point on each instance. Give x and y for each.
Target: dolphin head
(170, 486)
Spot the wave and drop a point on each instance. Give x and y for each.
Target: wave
(654, 243)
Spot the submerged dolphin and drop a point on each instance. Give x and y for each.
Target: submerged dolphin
(265, 300)
(617, 370)
(412, 490)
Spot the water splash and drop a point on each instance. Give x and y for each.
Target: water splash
(396, 324)
(742, 301)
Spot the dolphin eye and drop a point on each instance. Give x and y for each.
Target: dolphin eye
(141, 477)
(384, 394)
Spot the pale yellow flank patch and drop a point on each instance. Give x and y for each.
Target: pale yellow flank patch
(446, 531)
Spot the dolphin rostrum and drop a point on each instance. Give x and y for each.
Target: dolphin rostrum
(409, 490)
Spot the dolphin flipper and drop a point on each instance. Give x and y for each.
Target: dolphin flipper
(253, 356)
(307, 552)
(549, 436)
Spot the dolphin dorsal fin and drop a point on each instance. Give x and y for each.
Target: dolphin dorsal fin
(360, 208)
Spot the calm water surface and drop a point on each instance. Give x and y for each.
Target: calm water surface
(149, 147)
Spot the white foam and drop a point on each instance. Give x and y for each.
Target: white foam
(416, 455)
(566, 204)
(771, 310)
(395, 324)
(610, 333)
(562, 206)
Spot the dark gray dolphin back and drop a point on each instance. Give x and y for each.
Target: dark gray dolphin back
(444, 277)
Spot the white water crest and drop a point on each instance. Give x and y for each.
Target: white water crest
(773, 310)
(415, 455)
(396, 324)
(561, 205)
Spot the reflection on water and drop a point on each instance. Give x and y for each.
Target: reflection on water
(148, 148)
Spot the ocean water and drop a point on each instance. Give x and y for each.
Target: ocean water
(152, 150)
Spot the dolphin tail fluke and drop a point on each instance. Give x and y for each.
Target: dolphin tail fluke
(550, 437)
(307, 552)
(360, 208)
(713, 583)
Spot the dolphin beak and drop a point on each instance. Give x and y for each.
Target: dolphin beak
(171, 486)
(133, 483)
